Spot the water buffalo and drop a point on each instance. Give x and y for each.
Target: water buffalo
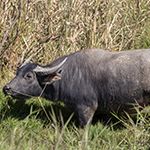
(89, 82)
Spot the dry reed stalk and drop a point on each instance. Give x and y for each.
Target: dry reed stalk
(55, 28)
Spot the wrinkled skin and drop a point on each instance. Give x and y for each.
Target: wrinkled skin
(89, 82)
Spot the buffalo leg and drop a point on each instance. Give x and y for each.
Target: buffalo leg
(85, 114)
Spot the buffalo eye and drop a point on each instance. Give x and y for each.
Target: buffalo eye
(28, 76)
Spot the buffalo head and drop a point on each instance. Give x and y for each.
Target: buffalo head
(29, 79)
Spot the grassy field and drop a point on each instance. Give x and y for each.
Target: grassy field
(24, 125)
(54, 28)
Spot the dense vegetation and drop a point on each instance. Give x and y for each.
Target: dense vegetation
(52, 28)
(24, 125)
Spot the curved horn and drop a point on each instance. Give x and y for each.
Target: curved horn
(27, 61)
(42, 71)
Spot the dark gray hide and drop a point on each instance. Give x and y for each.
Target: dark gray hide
(92, 81)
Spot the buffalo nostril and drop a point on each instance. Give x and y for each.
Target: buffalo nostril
(6, 89)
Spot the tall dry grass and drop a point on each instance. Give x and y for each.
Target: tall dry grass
(51, 28)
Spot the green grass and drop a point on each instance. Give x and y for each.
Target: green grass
(24, 125)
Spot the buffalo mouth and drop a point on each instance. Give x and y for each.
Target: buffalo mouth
(15, 95)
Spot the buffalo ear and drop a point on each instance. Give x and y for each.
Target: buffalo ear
(52, 78)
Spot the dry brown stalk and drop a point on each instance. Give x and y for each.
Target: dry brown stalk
(54, 28)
